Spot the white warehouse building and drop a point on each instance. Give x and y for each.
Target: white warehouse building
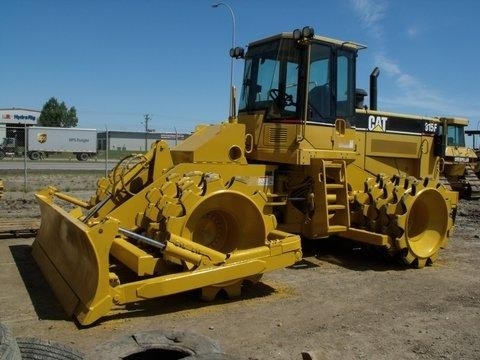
(14, 120)
(136, 140)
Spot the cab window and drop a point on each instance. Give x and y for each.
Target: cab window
(455, 136)
(271, 80)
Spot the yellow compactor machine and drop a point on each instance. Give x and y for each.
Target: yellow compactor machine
(232, 201)
(458, 162)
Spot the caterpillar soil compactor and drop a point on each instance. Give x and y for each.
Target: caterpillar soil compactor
(231, 201)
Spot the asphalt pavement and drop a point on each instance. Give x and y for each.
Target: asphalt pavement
(48, 164)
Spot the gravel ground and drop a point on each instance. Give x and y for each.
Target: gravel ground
(341, 302)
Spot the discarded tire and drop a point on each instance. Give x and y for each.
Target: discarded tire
(8, 345)
(158, 344)
(38, 349)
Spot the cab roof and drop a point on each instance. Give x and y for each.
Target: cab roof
(323, 39)
(455, 120)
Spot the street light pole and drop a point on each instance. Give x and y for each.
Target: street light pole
(147, 118)
(232, 110)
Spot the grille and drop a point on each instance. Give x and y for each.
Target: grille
(277, 135)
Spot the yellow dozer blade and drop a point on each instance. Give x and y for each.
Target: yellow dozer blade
(74, 260)
(170, 234)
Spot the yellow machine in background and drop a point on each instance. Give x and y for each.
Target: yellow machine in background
(458, 161)
(476, 149)
(232, 200)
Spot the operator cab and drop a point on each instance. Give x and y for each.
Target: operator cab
(451, 134)
(455, 135)
(299, 78)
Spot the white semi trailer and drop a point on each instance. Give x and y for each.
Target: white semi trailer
(42, 141)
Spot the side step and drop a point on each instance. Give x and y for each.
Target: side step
(332, 189)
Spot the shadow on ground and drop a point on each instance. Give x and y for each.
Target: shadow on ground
(184, 302)
(44, 301)
(335, 251)
(47, 306)
(350, 255)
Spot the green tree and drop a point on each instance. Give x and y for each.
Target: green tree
(57, 114)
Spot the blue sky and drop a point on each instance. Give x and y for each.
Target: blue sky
(117, 60)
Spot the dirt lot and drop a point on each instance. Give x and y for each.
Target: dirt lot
(341, 302)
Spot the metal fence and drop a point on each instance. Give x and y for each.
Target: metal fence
(27, 149)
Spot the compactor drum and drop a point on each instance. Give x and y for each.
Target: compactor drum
(414, 214)
(231, 202)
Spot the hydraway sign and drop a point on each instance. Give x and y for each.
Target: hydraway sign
(396, 123)
(19, 116)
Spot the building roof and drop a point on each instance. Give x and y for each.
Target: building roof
(143, 135)
(22, 109)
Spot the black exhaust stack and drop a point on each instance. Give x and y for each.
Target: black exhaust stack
(373, 88)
